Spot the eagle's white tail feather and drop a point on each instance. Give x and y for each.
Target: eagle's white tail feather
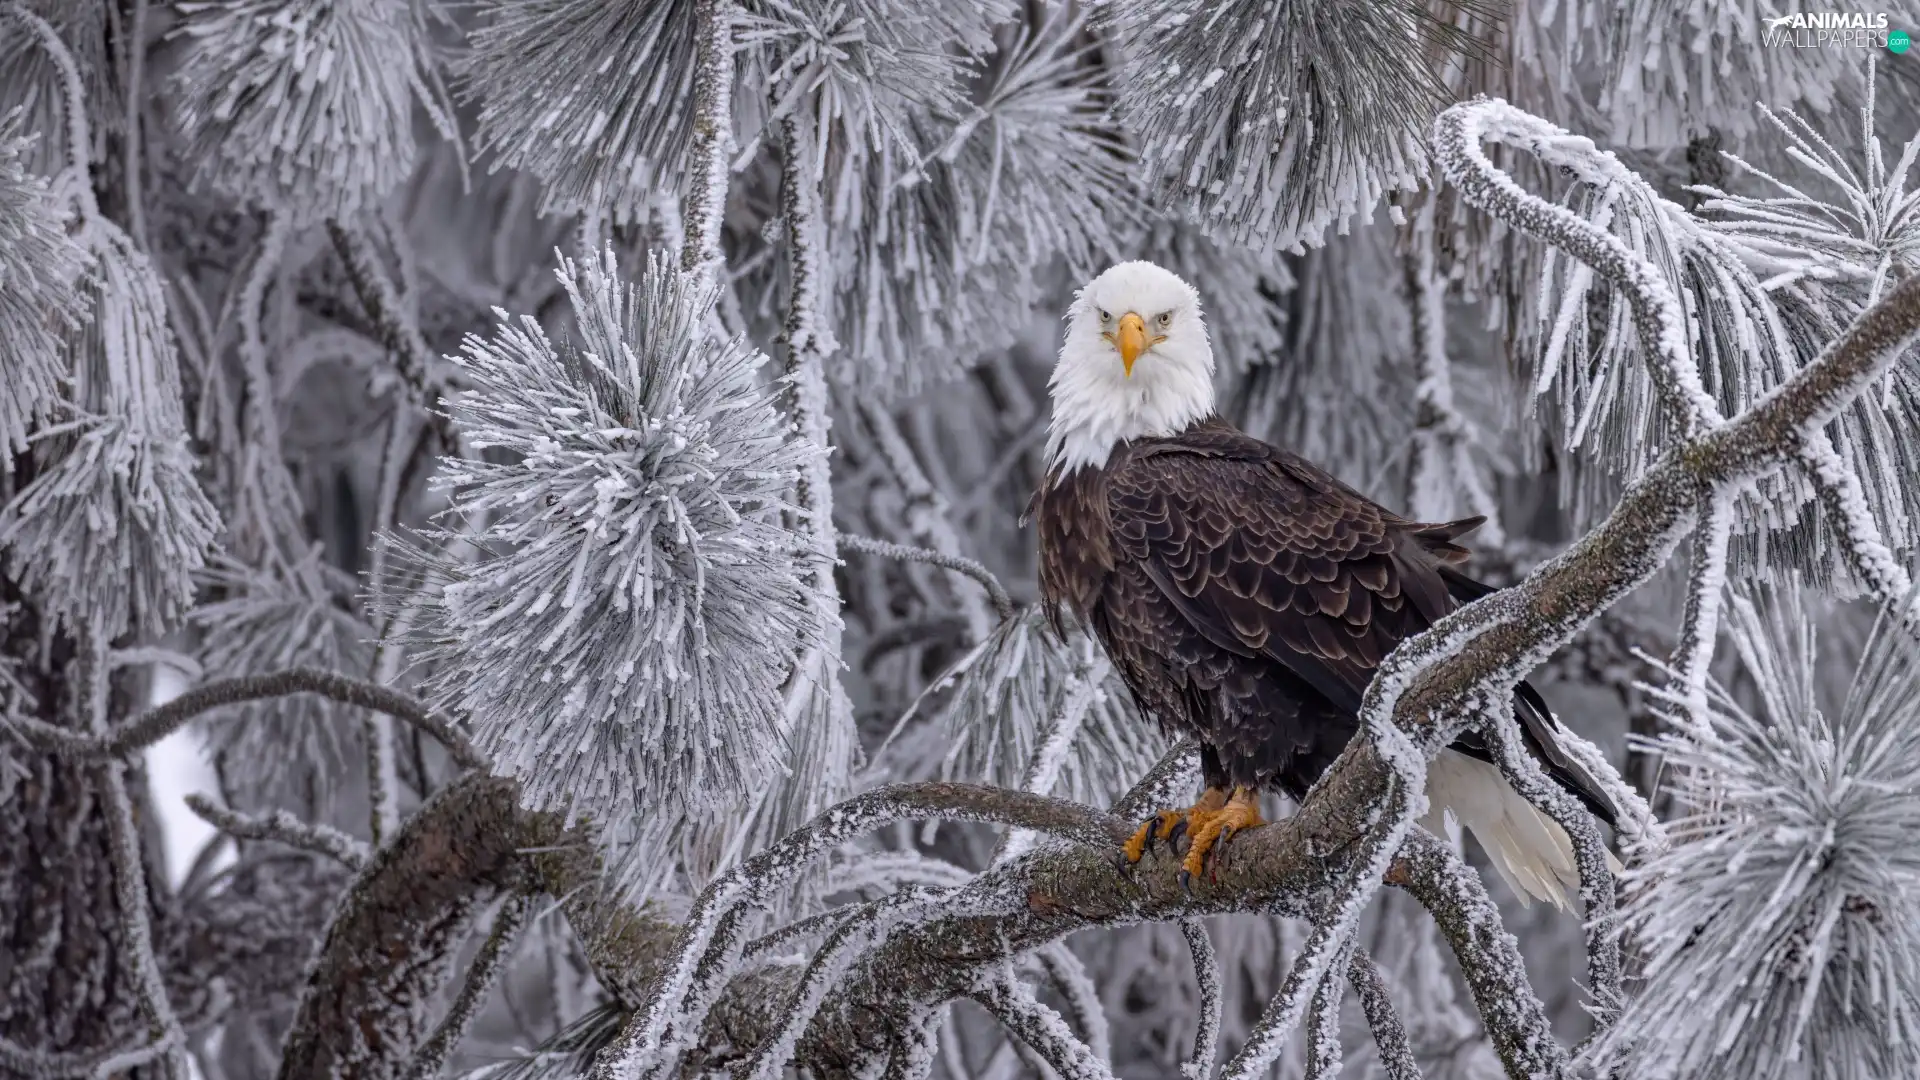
(1528, 849)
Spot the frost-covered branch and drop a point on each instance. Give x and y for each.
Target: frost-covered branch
(1069, 976)
(1840, 495)
(1590, 854)
(1013, 1004)
(1319, 963)
(1706, 587)
(1657, 317)
(414, 360)
(1209, 994)
(1489, 957)
(1324, 1053)
(162, 720)
(928, 516)
(1383, 1020)
(960, 564)
(494, 955)
(164, 1032)
(709, 157)
(282, 827)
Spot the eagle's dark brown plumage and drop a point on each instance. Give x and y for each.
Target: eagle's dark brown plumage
(1246, 597)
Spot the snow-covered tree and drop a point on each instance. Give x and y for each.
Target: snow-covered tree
(561, 463)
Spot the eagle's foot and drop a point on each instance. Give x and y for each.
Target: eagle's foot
(1168, 825)
(1215, 827)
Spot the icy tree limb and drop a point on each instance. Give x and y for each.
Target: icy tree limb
(1176, 770)
(1597, 891)
(1324, 1057)
(162, 720)
(1013, 1004)
(392, 942)
(1383, 1020)
(708, 169)
(1206, 977)
(711, 942)
(1489, 956)
(282, 827)
(850, 941)
(1003, 605)
(164, 1032)
(1706, 587)
(928, 519)
(413, 359)
(1657, 315)
(1313, 968)
(487, 965)
(1069, 976)
(1840, 496)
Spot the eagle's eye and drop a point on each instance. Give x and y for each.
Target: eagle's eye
(1106, 316)
(1166, 319)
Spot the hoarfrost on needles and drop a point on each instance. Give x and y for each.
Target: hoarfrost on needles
(621, 642)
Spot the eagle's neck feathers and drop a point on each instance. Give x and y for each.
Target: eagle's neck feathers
(1097, 408)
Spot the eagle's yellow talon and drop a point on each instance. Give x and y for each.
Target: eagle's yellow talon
(1240, 813)
(1166, 824)
(1158, 827)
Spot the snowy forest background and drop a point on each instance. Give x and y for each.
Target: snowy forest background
(399, 393)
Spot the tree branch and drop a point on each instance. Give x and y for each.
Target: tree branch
(487, 965)
(1013, 1004)
(1389, 1034)
(1206, 977)
(708, 159)
(1003, 605)
(1324, 1057)
(283, 828)
(162, 720)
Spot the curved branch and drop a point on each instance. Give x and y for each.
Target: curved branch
(1389, 1034)
(282, 827)
(1013, 1004)
(1324, 1057)
(1002, 603)
(1206, 977)
(487, 965)
(162, 720)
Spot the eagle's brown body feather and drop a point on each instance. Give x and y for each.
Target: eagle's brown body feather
(1247, 597)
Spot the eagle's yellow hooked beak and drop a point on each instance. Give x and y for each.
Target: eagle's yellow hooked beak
(1130, 338)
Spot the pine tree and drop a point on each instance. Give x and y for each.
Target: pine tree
(561, 461)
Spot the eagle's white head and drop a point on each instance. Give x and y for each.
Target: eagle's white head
(1136, 364)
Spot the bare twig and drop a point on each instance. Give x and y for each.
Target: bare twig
(162, 720)
(1002, 603)
(1389, 1034)
(487, 965)
(284, 828)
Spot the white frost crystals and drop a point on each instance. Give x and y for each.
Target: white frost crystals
(621, 642)
(305, 104)
(1785, 918)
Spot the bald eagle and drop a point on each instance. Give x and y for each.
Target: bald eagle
(1245, 596)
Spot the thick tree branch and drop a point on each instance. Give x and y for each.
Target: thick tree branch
(162, 720)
